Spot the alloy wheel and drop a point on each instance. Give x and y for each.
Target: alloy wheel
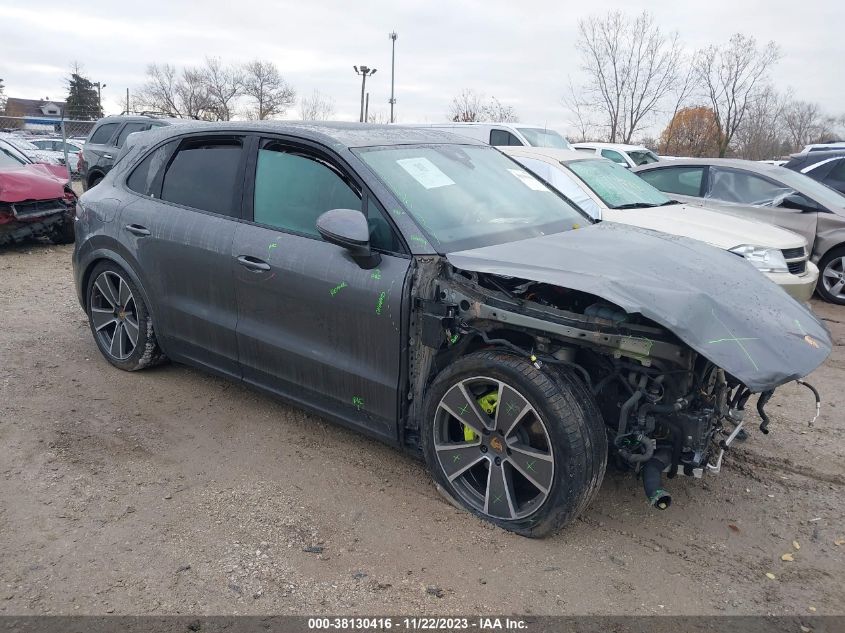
(494, 448)
(114, 315)
(833, 277)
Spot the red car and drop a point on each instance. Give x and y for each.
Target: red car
(35, 199)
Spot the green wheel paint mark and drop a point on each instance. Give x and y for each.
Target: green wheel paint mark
(456, 457)
(380, 302)
(464, 409)
(511, 407)
(338, 288)
(454, 338)
(530, 466)
(357, 402)
(497, 499)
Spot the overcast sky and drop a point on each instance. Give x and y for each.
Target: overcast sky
(520, 52)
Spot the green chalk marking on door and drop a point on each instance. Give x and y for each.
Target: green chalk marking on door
(380, 302)
(376, 274)
(357, 402)
(338, 288)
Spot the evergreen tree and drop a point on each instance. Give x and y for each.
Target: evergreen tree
(82, 100)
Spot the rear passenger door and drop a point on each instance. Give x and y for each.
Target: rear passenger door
(179, 233)
(314, 326)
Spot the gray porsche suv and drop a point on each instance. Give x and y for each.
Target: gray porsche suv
(423, 288)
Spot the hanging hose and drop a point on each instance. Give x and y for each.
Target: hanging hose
(652, 475)
(818, 400)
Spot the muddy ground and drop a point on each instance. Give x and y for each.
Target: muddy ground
(170, 491)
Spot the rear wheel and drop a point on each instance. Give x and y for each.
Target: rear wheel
(63, 233)
(519, 446)
(119, 319)
(831, 285)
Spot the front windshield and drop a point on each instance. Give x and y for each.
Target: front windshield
(816, 190)
(466, 196)
(617, 187)
(20, 144)
(642, 156)
(10, 157)
(539, 137)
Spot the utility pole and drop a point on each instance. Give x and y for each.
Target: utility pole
(127, 101)
(99, 94)
(392, 35)
(367, 109)
(363, 71)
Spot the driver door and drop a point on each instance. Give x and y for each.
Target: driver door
(313, 326)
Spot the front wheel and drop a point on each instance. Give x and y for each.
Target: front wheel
(831, 285)
(522, 447)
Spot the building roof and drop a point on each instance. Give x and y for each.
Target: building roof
(38, 108)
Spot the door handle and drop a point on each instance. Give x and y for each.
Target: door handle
(253, 263)
(108, 156)
(137, 229)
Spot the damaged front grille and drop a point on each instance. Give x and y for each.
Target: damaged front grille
(36, 208)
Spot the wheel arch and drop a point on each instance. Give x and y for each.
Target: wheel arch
(101, 256)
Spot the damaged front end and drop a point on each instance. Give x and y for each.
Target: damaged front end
(671, 372)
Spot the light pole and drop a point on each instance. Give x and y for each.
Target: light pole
(392, 35)
(363, 71)
(99, 94)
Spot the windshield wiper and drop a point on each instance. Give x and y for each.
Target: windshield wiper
(636, 205)
(668, 202)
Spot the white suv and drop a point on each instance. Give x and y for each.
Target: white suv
(626, 155)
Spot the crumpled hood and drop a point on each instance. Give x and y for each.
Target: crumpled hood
(714, 301)
(32, 182)
(717, 229)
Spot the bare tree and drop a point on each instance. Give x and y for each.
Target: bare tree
(271, 95)
(224, 85)
(761, 134)
(316, 107)
(176, 94)
(732, 76)
(582, 114)
(684, 89)
(631, 65)
(466, 107)
(495, 110)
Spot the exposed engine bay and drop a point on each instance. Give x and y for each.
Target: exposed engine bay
(667, 408)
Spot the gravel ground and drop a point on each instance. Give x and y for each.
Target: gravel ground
(169, 491)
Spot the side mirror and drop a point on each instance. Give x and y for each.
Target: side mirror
(798, 202)
(349, 228)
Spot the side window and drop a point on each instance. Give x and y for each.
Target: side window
(293, 188)
(503, 138)
(103, 133)
(204, 175)
(615, 156)
(742, 187)
(128, 129)
(145, 179)
(837, 172)
(685, 181)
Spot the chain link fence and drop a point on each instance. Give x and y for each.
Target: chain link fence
(47, 140)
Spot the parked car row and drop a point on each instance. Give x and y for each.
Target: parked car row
(431, 291)
(768, 193)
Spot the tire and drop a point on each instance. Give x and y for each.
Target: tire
(96, 180)
(831, 273)
(116, 312)
(482, 459)
(64, 233)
